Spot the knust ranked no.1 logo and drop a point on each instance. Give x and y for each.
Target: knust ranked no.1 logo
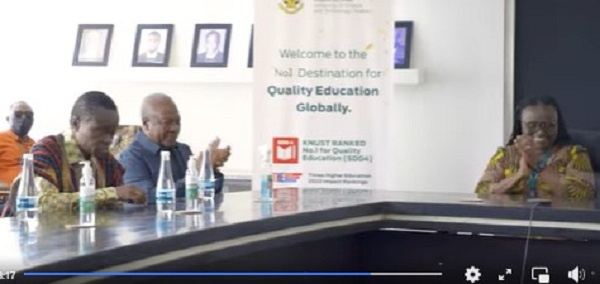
(291, 7)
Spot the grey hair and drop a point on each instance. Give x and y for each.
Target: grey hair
(150, 100)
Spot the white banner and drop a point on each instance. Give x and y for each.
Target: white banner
(323, 90)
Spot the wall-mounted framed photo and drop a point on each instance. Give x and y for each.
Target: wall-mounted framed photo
(250, 49)
(152, 45)
(402, 42)
(92, 47)
(211, 45)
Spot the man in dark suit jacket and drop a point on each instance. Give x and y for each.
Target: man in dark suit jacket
(152, 55)
(160, 129)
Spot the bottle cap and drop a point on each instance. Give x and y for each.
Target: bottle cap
(165, 154)
(28, 156)
(207, 156)
(191, 164)
(87, 169)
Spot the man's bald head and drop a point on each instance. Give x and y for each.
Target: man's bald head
(20, 106)
(20, 118)
(160, 119)
(154, 101)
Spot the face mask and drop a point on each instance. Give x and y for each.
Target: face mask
(21, 125)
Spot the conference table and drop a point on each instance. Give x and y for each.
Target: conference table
(315, 235)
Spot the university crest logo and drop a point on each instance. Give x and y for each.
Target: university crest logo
(291, 7)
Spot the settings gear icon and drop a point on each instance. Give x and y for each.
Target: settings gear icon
(473, 274)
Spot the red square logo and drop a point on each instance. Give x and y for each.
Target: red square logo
(285, 150)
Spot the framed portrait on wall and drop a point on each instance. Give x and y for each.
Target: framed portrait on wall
(211, 45)
(402, 44)
(250, 52)
(92, 47)
(152, 45)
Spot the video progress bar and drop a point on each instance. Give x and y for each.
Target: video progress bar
(137, 274)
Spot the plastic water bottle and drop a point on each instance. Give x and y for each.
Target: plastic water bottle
(207, 176)
(87, 196)
(266, 209)
(165, 187)
(266, 175)
(191, 186)
(27, 196)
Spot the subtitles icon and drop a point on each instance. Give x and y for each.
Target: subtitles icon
(540, 274)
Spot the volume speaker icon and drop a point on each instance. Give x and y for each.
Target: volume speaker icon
(576, 274)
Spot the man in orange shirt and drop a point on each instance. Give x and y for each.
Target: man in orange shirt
(15, 142)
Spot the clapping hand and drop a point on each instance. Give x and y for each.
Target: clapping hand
(219, 155)
(530, 154)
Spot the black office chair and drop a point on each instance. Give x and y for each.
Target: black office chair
(590, 139)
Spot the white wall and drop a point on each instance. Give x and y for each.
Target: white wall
(446, 127)
(49, 82)
(449, 126)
